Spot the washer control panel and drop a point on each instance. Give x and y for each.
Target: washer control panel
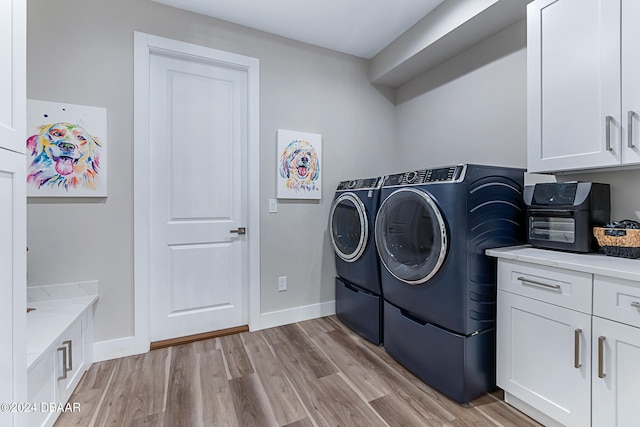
(360, 184)
(425, 176)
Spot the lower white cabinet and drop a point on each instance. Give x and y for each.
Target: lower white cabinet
(544, 349)
(616, 353)
(564, 357)
(52, 379)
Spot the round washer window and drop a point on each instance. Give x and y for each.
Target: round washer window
(411, 236)
(349, 227)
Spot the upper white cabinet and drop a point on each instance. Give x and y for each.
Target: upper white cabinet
(13, 75)
(582, 95)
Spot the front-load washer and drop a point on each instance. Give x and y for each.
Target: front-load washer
(358, 292)
(432, 229)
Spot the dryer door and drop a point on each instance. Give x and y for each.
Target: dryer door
(349, 227)
(411, 236)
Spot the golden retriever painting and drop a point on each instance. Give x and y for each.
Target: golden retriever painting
(300, 167)
(66, 153)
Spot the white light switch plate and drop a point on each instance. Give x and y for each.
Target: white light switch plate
(273, 205)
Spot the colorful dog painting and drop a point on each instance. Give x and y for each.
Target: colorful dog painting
(64, 155)
(300, 166)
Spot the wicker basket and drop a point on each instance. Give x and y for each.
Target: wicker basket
(618, 242)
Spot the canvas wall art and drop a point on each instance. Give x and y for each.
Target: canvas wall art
(66, 150)
(299, 165)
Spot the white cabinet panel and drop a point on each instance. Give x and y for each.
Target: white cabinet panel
(630, 81)
(616, 377)
(543, 357)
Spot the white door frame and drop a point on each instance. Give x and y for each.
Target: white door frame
(144, 46)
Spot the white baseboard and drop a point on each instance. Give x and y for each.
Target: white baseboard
(113, 349)
(297, 314)
(122, 347)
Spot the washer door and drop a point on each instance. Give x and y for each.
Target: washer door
(349, 227)
(411, 236)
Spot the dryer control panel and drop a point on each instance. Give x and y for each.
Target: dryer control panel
(426, 176)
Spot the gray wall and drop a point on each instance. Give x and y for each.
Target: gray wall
(470, 109)
(81, 52)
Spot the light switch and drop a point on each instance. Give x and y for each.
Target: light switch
(273, 205)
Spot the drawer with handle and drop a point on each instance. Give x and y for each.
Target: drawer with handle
(616, 299)
(565, 288)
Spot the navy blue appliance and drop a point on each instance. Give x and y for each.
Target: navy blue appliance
(432, 229)
(358, 300)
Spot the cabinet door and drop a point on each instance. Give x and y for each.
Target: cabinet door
(70, 350)
(543, 357)
(13, 362)
(13, 74)
(573, 94)
(630, 81)
(616, 377)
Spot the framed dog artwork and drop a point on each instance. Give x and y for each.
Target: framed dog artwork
(66, 150)
(299, 165)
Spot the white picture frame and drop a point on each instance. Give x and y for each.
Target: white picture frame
(66, 150)
(299, 165)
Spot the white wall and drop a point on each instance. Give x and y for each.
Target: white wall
(81, 52)
(470, 109)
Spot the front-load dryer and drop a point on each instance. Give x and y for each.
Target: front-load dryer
(432, 229)
(358, 292)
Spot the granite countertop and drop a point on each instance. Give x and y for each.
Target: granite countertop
(594, 263)
(56, 308)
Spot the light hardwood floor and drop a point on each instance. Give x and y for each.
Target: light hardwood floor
(313, 373)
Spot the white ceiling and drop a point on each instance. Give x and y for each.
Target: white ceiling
(357, 27)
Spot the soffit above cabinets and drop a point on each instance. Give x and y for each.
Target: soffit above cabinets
(447, 31)
(357, 27)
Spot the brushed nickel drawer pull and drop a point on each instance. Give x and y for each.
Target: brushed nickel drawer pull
(576, 348)
(239, 230)
(70, 344)
(608, 120)
(630, 115)
(536, 283)
(64, 363)
(601, 373)
(635, 304)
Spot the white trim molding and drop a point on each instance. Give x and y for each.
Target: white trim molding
(144, 46)
(113, 349)
(297, 314)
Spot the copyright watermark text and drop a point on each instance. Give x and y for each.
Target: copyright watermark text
(21, 407)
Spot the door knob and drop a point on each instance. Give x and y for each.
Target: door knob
(239, 230)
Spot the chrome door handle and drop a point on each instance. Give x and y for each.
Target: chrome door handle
(608, 120)
(635, 304)
(630, 116)
(536, 283)
(239, 230)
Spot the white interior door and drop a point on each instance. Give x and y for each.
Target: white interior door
(198, 174)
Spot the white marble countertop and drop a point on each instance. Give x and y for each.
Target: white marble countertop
(56, 308)
(594, 263)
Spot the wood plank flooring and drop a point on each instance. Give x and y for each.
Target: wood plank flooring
(313, 373)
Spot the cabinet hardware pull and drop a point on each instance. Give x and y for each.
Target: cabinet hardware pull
(64, 363)
(630, 116)
(70, 344)
(635, 304)
(536, 283)
(239, 230)
(601, 373)
(608, 120)
(576, 348)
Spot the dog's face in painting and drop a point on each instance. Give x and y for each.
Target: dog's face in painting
(299, 164)
(64, 155)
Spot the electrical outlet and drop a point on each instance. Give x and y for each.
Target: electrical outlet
(282, 283)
